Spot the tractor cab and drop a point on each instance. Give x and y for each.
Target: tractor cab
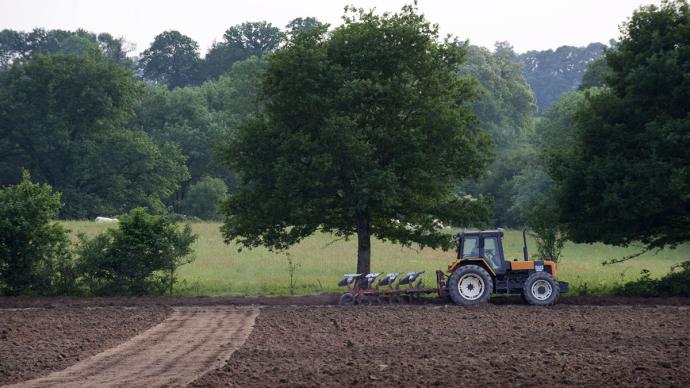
(486, 246)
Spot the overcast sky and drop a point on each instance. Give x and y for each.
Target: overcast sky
(526, 24)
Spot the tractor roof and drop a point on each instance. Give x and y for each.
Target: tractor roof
(491, 232)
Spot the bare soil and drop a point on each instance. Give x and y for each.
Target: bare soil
(189, 343)
(495, 345)
(105, 341)
(34, 342)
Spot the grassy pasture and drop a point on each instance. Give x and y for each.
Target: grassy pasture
(219, 269)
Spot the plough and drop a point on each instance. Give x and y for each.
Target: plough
(394, 287)
(479, 270)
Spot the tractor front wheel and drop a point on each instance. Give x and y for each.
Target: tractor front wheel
(470, 284)
(541, 289)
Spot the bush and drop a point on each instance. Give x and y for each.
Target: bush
(203, 198)
(139, 257)
(542, 218)
(34, 252)
(672, 284)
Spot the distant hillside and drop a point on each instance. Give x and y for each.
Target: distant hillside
(551, 73)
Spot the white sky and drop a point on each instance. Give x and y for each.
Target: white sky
(527, 24)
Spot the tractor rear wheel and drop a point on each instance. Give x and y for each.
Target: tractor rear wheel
(541, 289)
(470, 284)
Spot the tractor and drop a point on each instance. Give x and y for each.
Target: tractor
(479, 270)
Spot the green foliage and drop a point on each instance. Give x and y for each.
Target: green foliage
(241, 42)
(63, 117)
(551, 73)
(172, 60)
(627, 178)
(203, 198)
(380, 134)
(505, 108)
(139, 257)
(34, 252)
(675, 283)
(542, 219)
(300, 25)
(595, 75)
(505, 105)
(16, 45)
(182, 117)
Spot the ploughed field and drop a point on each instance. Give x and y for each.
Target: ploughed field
(578, 342)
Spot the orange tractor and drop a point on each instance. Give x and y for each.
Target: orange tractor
(479, 270)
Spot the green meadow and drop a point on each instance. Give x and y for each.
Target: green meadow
(319, 262)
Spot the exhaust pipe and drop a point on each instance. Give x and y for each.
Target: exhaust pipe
(524, 242)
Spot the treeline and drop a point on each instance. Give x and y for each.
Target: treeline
(76, 115)
(74, 112)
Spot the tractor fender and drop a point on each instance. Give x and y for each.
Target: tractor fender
(474, 261)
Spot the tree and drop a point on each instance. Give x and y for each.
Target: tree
(138, 258)
(22, 45)
(627, 179)
(595, 75)
(505, 108)
(241, 42)
(63, 117)
(172, 60)
(299, 25)
(553, 72)
(236, 94)
(30, 244)
(203, 198)
(363, 130)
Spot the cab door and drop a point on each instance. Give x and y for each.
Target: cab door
(491, 249)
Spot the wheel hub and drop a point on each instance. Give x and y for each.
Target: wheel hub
(542, 289)
(471, 286)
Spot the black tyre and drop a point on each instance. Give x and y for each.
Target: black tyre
(470, 284)
(346, 299)
(541, 289)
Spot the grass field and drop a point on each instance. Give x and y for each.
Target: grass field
(219, 269)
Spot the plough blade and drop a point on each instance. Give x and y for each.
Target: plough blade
(392, 288)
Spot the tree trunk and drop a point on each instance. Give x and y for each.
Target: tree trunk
(363, 244)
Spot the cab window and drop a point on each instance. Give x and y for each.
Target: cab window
(491, 252)
(470, 247)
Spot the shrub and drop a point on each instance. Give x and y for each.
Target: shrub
(675, 283)
(139, 257)
(34, 252)
(542, 218)
(203, 198)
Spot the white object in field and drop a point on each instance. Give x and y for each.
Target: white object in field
(106, 219)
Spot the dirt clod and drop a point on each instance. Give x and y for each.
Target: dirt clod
(500, 345)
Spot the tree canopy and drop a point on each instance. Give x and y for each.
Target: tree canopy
(243, 41)
(505, 108)
(22, 45)
(63, 117)
(364, 131)
(172, 60)
(551, 73)
(626, 178)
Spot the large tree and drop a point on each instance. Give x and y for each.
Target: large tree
(364, 131)
(172, 60)
(63, 117)
(241, 42)
(627, 178)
